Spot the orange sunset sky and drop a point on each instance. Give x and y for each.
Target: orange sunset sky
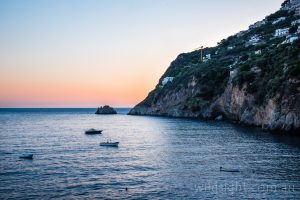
(89, 53)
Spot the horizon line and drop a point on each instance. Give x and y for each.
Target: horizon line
(55, 107)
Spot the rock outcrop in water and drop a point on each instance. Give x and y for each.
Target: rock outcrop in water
(106, 110)
(252, 77)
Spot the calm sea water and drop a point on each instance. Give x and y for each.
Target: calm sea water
(158, 158)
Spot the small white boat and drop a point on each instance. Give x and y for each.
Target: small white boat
(228, 170)
(26, 156)
(93, 131)
(109, 144)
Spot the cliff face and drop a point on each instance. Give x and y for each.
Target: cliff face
(252, 77)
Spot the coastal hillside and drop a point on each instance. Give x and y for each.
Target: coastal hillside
(252, 77)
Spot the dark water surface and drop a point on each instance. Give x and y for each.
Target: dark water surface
(158, 158)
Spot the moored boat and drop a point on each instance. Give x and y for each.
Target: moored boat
(93, 131)
(109, 144)
(228, 170)
(26, 156)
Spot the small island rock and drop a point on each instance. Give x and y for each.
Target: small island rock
(106, 110)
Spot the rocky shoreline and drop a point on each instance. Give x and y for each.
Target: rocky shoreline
(234, 105)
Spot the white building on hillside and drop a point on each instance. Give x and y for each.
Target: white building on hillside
(281, 32)
(206, 57)
(297, 11)
(292, 39)
(253, 40)
(296, 22)
(166, 80)
(258, 52)
(291, 5)
(278, 20)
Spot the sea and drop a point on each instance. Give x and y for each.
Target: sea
(157, 158)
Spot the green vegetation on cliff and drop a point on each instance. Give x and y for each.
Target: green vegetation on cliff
(252, 77)
(262, 63)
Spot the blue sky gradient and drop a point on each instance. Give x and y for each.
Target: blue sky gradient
(83, 53)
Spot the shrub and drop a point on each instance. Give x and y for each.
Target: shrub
(252, 88)
(274, 84)
(244, 77)
(244, 57)
(294, 70)
(245, 67)
(276, 15)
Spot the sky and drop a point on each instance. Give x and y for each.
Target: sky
(87, 53)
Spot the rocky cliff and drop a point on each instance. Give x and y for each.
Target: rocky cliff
(252, 77)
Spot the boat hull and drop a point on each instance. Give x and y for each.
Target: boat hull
(26, 156)
(228, 170)
(109, 144)
(93, 132)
